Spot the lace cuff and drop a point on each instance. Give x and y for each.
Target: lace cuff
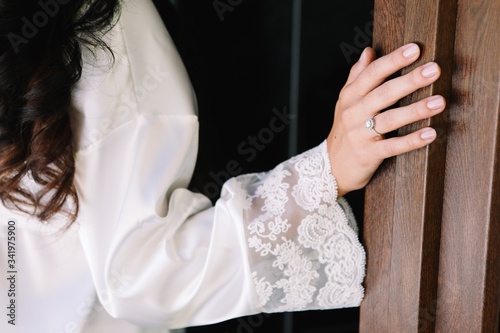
(303, 245)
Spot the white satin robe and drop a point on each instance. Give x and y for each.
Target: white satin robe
(151, 253)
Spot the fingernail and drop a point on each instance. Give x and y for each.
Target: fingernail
(435, 103)
(428, 134)
(411, 51)
(430, 70)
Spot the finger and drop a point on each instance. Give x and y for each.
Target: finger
(392, 91)
(379, 70)
(393, 119)
(404, 144)
(367, 56)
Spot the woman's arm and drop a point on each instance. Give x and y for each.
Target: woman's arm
(279, 240)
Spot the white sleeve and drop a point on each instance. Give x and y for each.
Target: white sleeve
(161, 255)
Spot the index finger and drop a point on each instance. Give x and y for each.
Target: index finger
(380, 69)
(367, 56)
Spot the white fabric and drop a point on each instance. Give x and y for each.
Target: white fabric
(147, 250)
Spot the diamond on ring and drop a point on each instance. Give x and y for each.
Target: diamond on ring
(370, 124)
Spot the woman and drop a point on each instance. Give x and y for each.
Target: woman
(98, 144)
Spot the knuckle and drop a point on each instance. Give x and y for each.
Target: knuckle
(382, 92)
(389, 148)
(414, 79)
(344, 115)
(409, 143)
(412, 142)
(416, 111)
(345, 91)
(348, 97)
(373, 69)
(348, 112)
(395, 60)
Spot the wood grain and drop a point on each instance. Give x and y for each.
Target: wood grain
(402, 266)
(379, 194)
(469, 273)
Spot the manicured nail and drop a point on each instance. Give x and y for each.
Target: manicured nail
(430, 70)
(436, 102)
(411, 51)
(428, 134)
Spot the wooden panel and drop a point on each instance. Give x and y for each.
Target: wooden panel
(403, 264)
(420, 179)
(388, 19)
(469, 274)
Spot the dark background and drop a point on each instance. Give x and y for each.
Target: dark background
(243, 59)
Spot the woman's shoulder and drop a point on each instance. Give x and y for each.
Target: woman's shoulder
(143, 75)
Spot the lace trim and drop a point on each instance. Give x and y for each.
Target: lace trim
(317, 263)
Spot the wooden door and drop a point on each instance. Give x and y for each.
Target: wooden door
(432, 217)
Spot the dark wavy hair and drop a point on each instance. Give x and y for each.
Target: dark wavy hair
(40, 61)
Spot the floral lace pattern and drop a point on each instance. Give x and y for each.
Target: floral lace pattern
(303, 243)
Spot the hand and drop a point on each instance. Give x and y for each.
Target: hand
(355, 151)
